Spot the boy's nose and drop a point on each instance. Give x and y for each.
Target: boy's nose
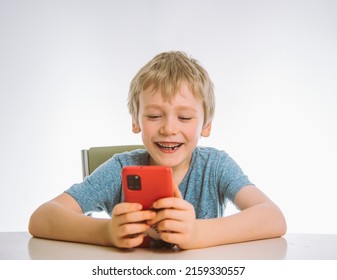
(169, 127)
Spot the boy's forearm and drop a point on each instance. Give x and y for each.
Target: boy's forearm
(54, 221)
(261, 221)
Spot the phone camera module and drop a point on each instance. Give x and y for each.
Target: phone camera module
(134, 182)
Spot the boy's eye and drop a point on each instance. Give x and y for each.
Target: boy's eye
(153, 117)
(184, 118)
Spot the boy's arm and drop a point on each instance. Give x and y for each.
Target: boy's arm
(259, 218)
(63, 219)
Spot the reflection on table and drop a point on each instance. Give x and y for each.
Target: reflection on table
(21, 245)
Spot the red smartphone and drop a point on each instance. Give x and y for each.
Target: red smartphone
(145, 185)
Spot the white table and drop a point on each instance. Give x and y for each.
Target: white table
(22, 246)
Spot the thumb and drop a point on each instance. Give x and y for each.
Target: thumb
(176, 191)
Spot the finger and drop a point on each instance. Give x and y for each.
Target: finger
(172, 226)
(168, 214)
(132, 230)
(176, 191)
(136, 217)
(131, 241)
(171, 202)
(123, 208)
(172, 237)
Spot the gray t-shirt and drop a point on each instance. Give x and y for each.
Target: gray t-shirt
(212, 178)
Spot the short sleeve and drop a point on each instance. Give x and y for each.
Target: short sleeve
(101, 190)
(232, 178)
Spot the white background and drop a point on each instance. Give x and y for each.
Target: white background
(65, 68)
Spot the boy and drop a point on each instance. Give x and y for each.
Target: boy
(171, 102)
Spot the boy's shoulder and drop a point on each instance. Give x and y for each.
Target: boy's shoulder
(208, 156)
(209, 152)
(134, 157)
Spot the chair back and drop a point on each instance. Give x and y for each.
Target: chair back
(95, 156)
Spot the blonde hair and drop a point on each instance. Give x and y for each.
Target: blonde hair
(166, 72)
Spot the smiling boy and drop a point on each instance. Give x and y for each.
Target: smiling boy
(171, 102)
(171, 130)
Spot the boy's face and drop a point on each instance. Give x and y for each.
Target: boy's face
(170, 129)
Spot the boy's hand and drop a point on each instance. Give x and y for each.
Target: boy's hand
(128, 224)
(176, 220)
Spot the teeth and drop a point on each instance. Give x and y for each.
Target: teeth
(169, 147)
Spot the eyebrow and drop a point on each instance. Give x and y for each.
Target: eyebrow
(179, 108)
(152, 106)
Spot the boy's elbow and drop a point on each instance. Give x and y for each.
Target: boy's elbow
(33, 225)
(283, 227)
(280, 224)
(37, 223)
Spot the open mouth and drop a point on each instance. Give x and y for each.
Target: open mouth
(169, 146)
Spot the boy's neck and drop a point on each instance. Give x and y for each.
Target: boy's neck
(179, 174)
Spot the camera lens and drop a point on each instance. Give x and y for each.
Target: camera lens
(134, 182)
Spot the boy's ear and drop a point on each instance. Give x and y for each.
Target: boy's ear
(206, 130)
(135, 127)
